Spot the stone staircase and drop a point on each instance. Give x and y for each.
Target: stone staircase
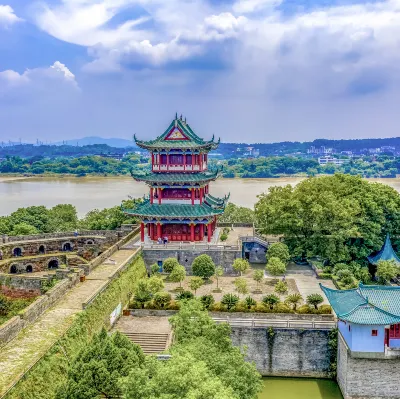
(150, 343)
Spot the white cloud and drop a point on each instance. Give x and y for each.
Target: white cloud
(7, 16)
(251, 6)
(38, 79)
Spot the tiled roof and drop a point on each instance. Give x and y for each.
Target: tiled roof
(192, 142)
(386, 253)
(174, 210)
(371, 305)
(176, 177)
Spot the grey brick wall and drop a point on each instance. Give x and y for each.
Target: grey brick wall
(367, 378)
(285, 352)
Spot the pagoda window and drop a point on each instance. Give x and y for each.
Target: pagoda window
(177, 193)
(176, 159)
(163, 159)
(189, 159)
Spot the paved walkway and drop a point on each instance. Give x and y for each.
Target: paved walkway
(23, 351)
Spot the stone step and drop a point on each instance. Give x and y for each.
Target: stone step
(150, 343)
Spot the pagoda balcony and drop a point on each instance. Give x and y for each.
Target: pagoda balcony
(179, 168)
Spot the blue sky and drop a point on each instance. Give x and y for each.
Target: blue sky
(245, 70)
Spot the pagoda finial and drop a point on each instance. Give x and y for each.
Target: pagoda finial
(176, 115)
(181, 116)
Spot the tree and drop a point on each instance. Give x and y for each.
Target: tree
(142, 292)
(195, 283)
(22, 229)
(275, 267)
(278, 250)
(258, 276)
(271, 300)
(386, 270)
(241, 265)
(339, 218)
(98, 366)
(241, 286)
(178, 274)
(230, 301)
(294, 299)
(63, 217)
(315, 300)
(237, 214)
(169, 264)
(203, 266)
(184, 296)
(219, 272)
(281, 287)
(162, 299)
(155, 284)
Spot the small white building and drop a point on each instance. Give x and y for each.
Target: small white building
(332, 160)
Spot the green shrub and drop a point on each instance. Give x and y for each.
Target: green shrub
(294, 299)
(155, 269)
(271, 300)
(5, 305)
(184, 296)
(223, 237)
(207, 301)
(162, 299)
(325, 276)
(315, 300)
(261, 308)
(281, 287)
(282, 308)
(275, 266)
(218, 307)
(325, 309)
(230, 301)
(249, 302)
(174, 305)
(203, 266)
(278, 250)
(304, 309)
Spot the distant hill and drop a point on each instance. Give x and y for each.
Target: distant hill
(115, 142)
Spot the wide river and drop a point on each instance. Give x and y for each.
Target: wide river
(87, 193)
(300, 388)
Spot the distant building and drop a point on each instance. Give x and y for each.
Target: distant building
(335, 161)
(319, 150)
(374, 150)
(388, 148)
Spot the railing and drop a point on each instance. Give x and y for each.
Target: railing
(179, 167)
(187, 246)
(292, 324)
(255, 239)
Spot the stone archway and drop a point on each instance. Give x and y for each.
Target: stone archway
(89, 242)
(53, 264)
(13, 269)
(42, 250)
(29, 269)
(67, 247)
(17, 251)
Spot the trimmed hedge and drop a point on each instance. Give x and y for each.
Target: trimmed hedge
(51, 371)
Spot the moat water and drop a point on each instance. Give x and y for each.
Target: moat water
(299, 388)
(87, 193)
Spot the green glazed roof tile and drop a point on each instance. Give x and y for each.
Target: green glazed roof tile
(386, 253)
(176, 177)
(174, 210)
(193, 141)
(370, 305)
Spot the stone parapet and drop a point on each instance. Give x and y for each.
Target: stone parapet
(367, 376)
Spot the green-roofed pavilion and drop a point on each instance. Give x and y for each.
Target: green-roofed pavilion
(386, 253)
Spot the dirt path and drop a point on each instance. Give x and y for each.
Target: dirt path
(23, 351)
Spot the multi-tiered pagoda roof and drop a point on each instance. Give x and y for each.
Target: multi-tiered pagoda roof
(386, 253)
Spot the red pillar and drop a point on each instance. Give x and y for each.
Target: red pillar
(192, 232)
(201, 232)
(167, 160)
(201, 195)
(158, 230)
(184, 159)
(192, 190)
(151, 195)
(142, 232)
(159, 196)
(209, 232)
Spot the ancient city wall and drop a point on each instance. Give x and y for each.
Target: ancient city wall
(21, 286)
(285, 352)
(222, 256)
(361, 376)
(12, 327)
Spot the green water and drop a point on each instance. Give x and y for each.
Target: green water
(299, 388)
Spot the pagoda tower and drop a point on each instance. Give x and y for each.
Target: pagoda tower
(180, 206)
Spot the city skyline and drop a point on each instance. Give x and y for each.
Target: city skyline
(263, 70)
